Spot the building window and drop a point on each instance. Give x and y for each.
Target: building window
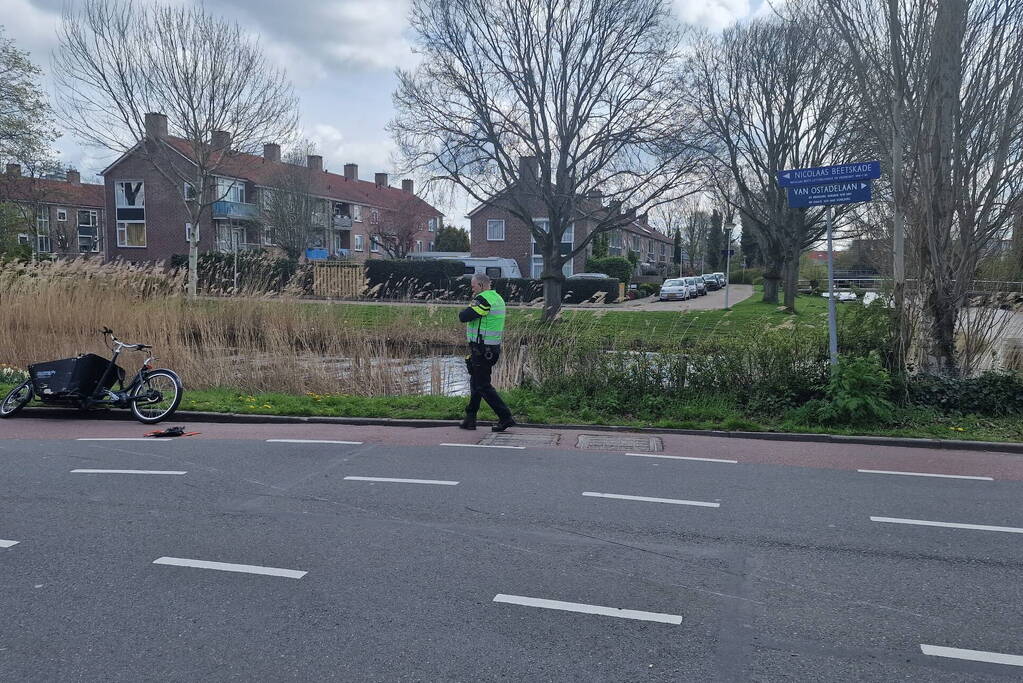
(189, 192)
(230, 190)
(374, 217)
(419, 245)
(356, 213)
(43, 245)
(131, 234)
(431, 225)
(374, 246)
(495, 231)
(569, 235)
(88, 231)
(359, 242)
(130, 197)
(188, 232)
(24, 238)
(61, 215)
(432, 245)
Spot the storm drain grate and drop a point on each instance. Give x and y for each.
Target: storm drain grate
(614, 442)
(527, 440)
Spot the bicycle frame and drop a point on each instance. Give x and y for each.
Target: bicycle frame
(102, 396)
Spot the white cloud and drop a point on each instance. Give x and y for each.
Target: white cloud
(714, 14)
(372, 156)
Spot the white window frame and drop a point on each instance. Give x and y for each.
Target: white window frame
(94, 217)
(189, 227)
(24, 238)
(226, 187)
(117, 195)
(536, 263)
(374, 246)
(122, 235)
(43, 221)
(419, 245)
(62, 215)
(431, 225)
(357, 213)
(374, 217)
(495, 223)
(41, 240)
(189, 193)
(360, 243)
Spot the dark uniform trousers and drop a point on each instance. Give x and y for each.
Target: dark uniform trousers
(480, 363)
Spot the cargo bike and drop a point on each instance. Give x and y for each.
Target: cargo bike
(88, 382)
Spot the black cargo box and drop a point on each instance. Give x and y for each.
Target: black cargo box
(72, 376)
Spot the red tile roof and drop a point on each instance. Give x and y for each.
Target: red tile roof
(27, 189)
(323, 184)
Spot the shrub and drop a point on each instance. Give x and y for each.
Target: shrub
(258, 272)
(749, 276)
(857, 393)
(413, 279)
(991, 393)
(649, 289)
(866, 329)
(612, 266)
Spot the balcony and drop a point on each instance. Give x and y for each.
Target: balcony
(238, 210)
(341, 223)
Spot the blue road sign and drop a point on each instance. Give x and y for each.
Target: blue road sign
(833, 193)
(728, 252)
(799, 177)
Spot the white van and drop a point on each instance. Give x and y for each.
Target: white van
(491, 266)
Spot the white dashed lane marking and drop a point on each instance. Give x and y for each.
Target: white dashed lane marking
(682, 457)
(347, 443)
(589, 609)
(645, 499)
(437, 482)
(228, 567)
(948, 525)
(927, 474)
(483, 445)
(972, 655)
(127, 472)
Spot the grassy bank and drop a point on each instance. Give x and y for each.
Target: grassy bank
(530, 406)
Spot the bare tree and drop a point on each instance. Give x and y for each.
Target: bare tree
(687, 216)
(289, 208)
(768, 93)
(117, 61)
(953, 133)
(582, 90)
(397, 227)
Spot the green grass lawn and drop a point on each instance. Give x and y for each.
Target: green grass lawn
(530, 406)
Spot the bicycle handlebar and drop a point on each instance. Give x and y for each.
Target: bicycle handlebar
(138, 347)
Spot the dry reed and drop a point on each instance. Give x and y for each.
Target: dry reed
(54, 310)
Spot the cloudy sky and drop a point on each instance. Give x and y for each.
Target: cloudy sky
(340, 54)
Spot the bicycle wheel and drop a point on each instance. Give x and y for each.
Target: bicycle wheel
(16, 399)
(156, 397)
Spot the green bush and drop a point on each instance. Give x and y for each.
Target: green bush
(991, 393)
(857, 393)
(258, 271)
(613, 266)
(749, 276)
(412, 279)
(649, 289)
(866, 329)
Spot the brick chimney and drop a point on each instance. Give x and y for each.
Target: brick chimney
(408, 186)
(380, 179)
(156, 125)
(314, 162)
(529, 170)
(352, 171)
(272, 151)
(74, 177)
(14, 170)
(221, 140)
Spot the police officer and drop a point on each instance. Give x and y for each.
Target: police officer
(484, 327)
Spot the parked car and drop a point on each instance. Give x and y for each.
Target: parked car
(712, 283)
(701, 286)
(675, 290)
(721, 278)
(588, 276)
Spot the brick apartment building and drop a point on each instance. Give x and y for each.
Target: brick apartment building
(147, 219)
(496, 232)
(61, 217)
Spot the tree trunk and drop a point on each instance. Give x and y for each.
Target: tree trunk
(193, 264)
(791, 282)
(772, 278)
(553, 281)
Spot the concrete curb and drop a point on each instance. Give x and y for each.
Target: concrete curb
(232, 418)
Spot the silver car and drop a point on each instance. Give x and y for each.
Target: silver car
(674, 290)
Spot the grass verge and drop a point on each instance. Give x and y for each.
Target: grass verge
(530, 406)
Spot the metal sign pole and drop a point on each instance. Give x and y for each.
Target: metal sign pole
(832, 326)
(728, 261)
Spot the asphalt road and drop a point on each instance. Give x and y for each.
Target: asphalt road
(481, 564)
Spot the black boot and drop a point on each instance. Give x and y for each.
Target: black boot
(468, 423)
(503, 424)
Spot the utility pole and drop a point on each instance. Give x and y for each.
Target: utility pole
(728, 261)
